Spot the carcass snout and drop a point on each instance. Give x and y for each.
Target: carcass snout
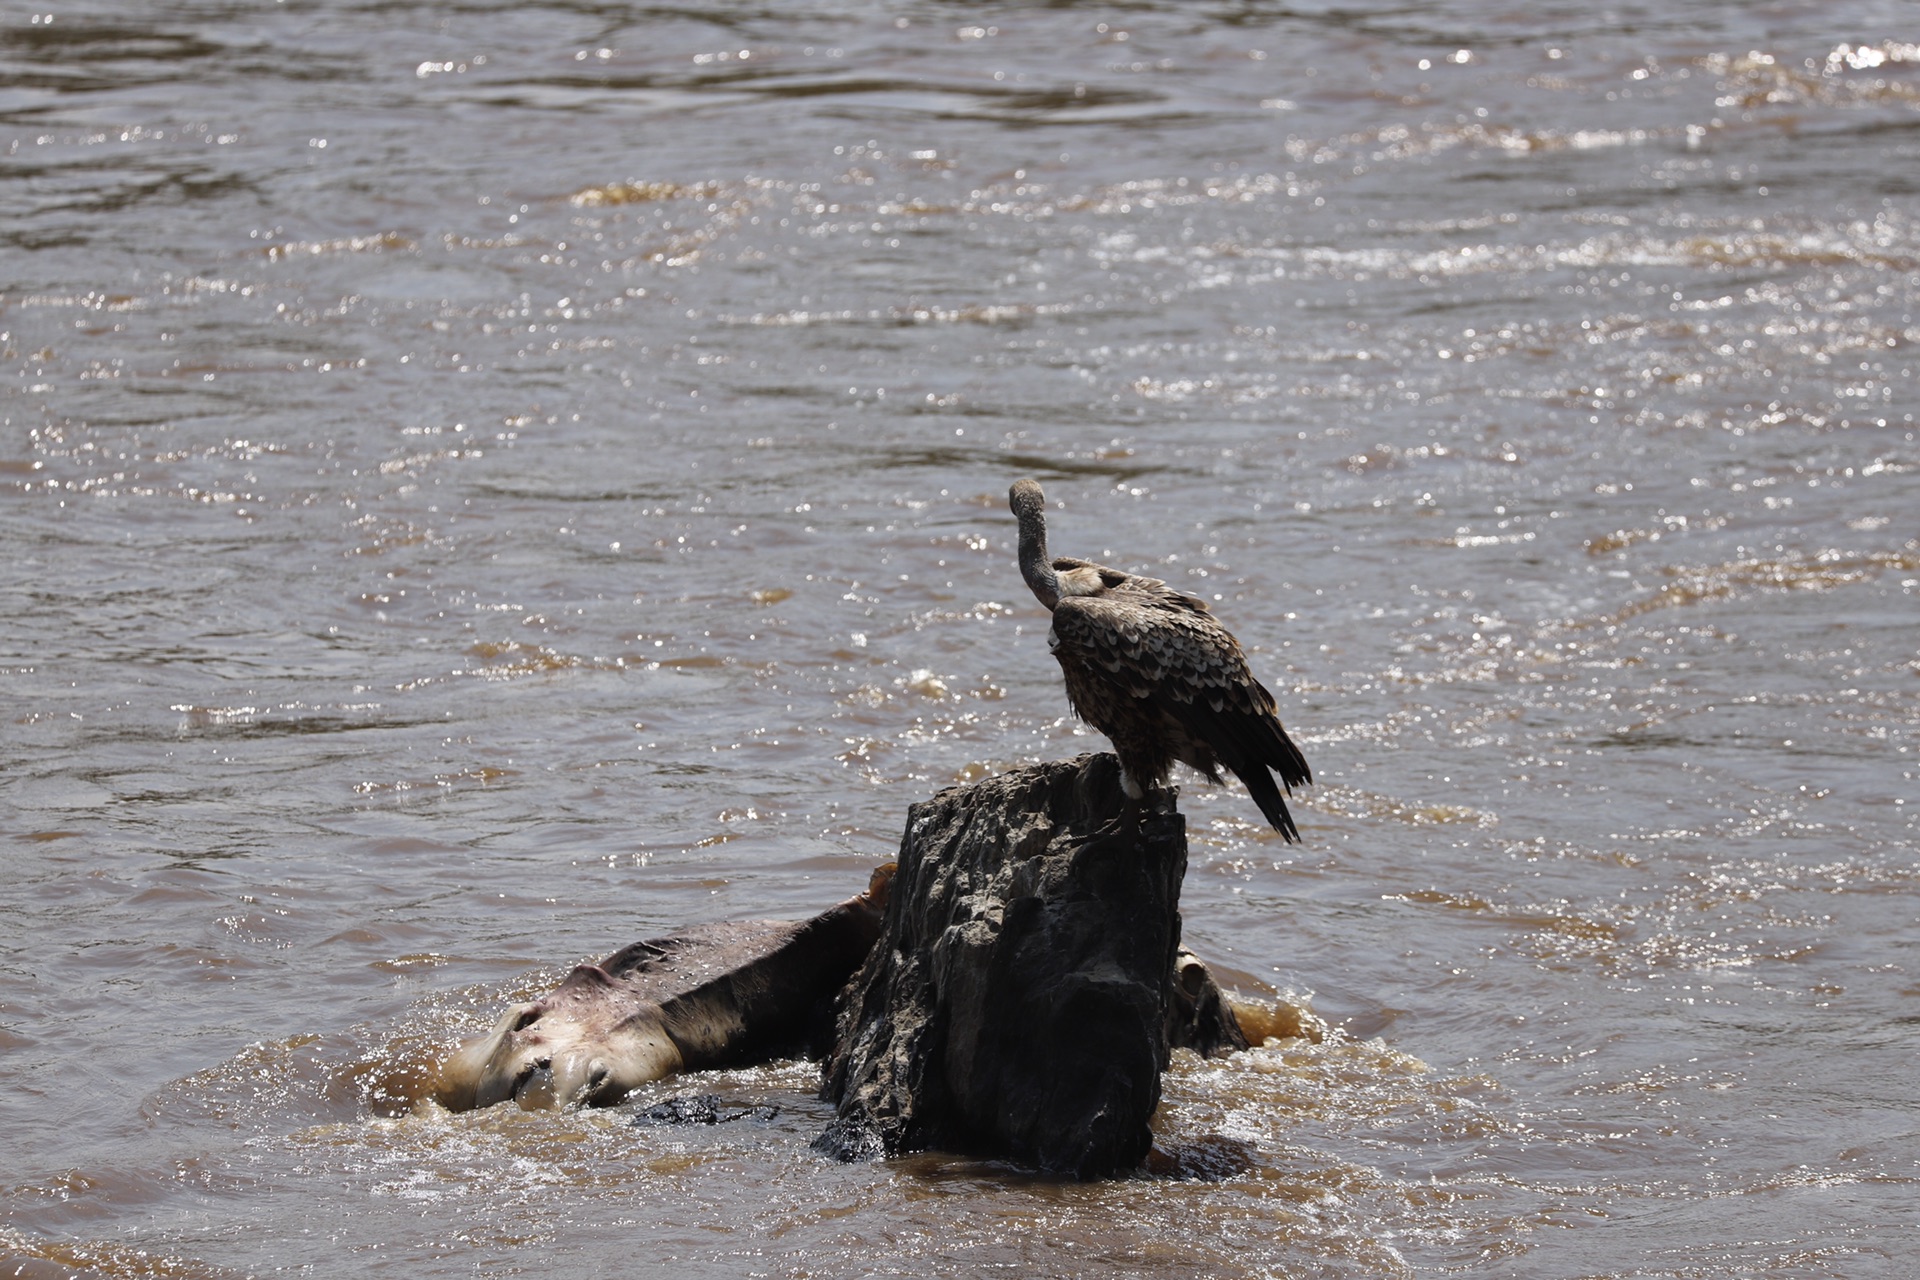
(581, 1080)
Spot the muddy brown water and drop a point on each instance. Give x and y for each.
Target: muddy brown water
(483, 484)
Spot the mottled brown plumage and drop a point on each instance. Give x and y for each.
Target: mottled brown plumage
(1155, 671)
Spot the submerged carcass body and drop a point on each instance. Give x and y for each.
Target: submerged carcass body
(711, 996)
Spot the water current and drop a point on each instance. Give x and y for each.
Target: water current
(484, 483)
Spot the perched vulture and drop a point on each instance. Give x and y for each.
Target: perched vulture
(1155, 671)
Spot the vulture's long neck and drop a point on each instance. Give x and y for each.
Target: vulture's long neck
(1029, 504)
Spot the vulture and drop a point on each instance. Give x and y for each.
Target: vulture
(1154, 670)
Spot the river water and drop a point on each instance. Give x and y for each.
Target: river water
(486, 483)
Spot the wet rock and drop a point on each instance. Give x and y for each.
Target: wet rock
(1209, 1159)
(1019, 1001)
(705, 1108)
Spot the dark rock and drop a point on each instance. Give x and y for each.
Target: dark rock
(1214, 1158)
(705, 1108)
(1019, 1000)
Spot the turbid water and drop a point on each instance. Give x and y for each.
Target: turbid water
(484, 484)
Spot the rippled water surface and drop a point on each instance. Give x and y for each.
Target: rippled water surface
(483, 484)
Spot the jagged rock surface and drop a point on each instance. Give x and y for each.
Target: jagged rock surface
(1019, 1001)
